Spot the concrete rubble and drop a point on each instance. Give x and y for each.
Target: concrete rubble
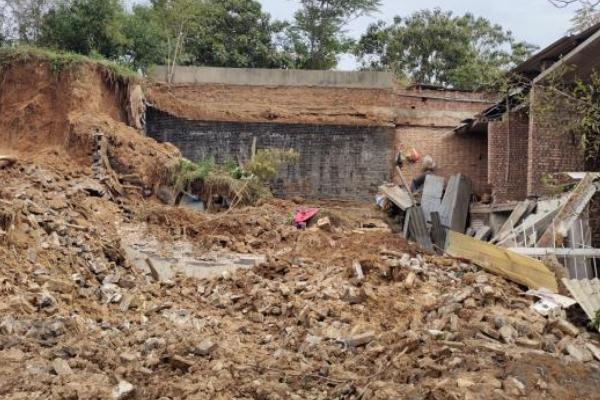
(105, 293)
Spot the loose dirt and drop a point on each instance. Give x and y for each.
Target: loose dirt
(81, 319)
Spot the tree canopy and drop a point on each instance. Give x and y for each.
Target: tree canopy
(438, 48)
(430, 46)
(317, 37)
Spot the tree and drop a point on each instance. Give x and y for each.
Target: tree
(146, 38)
(85, 27)
(235, 33)
(317, 37)
(435, 47)
(585, 17)
(22, 19)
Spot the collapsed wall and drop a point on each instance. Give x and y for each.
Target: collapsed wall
(60, 107)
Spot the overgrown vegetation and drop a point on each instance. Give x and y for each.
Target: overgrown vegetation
(237, 184)
(62, 60)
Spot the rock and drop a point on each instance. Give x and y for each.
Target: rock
(358, 270)
(205, 348)
(595, 350)
(507, 333)
(470, 303)
(579, 353)
(124, 390)
(360, 339)
(128, 357)
(464, 383)
(514, 387)
(285, 291)
(566, 327)
(61, 367)
(324, 223)
(180, 362)
(410, 280)
(226, 275)
(528, 343)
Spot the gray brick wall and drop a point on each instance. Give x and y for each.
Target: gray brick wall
(336, 161)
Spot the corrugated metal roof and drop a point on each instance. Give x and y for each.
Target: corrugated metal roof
(563, 46)
(587, 293)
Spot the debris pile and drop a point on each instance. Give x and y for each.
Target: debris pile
(342, 309)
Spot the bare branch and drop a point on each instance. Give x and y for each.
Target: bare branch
(566, 3)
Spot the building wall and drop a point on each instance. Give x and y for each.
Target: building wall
(508, 144)
(336, 161)
(552, 148)
(274, 77)
(453, 154)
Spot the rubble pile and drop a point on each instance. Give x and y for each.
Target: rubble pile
(79, 322)
(342, 309)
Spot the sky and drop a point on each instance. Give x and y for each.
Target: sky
(534, 21)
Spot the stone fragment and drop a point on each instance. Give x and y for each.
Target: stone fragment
(507, 333)
(595, 350)
(358, 271)
(205, 348)
(61, 367)
(464, 383)
(180, 362)
(566, 327)
(579, 353)
(124, 390)
(514, 387)
(528, 343)
(324, 223)
(360, 339)
(410, 280)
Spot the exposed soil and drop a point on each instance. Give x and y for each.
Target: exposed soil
(214, 102)
(79, 319)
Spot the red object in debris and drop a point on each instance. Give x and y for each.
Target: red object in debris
(303, 215)
(414, 155)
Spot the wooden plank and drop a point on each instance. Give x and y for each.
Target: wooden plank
(513, 220)
(558, 230)
(397, 195)
(558, 251)
(454, 209)
(438, 232)
(418, 228)
(406, 186)
(433, 190)
(515, 267)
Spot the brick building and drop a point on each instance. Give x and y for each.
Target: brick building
(524, 143)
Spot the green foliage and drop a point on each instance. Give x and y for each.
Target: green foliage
(435, 47)
(188, 172)
(317, 37)
(61, 60)
(234, 33)
(265, 164)
(86, 26)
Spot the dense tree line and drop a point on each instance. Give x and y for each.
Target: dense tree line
(431, 46)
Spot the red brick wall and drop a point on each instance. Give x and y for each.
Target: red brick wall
(552, 148)
(508, 143)
(465, 154)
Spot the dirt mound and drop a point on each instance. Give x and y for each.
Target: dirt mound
(44, 106)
